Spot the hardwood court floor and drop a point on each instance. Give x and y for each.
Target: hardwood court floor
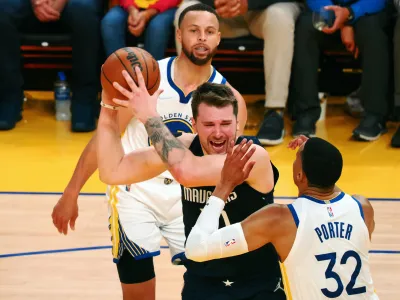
(40, 155)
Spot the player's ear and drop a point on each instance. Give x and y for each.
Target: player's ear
(301, 176)
(179, 35)
(219, 37)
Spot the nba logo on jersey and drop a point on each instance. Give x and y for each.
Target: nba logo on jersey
(128, 188)
(167, 181)
(330, 211)
(230, 242)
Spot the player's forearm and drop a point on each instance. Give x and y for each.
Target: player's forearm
(86, 166)
(207, 242)
(169, 148)
(109, 148)
(222, 191)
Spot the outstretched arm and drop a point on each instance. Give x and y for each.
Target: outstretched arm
(207, 242)
(66, 210)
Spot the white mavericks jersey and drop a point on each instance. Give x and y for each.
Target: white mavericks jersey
(329, 257)
(162, 193)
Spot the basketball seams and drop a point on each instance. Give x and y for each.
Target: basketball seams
(112, 69)
(147, 69)
(124, 66)
(158, 76)
(105, 76)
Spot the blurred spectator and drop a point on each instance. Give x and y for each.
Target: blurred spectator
(82, 18)
(273, 21)
(396, 136)
(362, 27)
(139, 18)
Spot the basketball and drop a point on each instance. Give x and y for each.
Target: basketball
(127, 59)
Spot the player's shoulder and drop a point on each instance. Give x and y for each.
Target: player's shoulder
(163, 63)
(365, 204)
(261, 154)
(186, 138)
(275, 215)
(217, 77)
(164, 60)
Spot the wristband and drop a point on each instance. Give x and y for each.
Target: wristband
(109, 106)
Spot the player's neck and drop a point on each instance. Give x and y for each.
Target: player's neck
(188, 74)
(319, 194)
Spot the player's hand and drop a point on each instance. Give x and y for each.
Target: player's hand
(347, 35)
(44, 12)
(141, 104)
(341, 16)
(65, 212)
(237, 166)
(297, 142)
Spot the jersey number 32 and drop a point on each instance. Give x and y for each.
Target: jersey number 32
(329, 273)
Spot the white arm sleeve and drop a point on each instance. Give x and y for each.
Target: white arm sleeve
(207, 242)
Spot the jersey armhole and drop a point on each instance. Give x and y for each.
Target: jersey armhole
(360, 207)
(294, 214)
(223, 81)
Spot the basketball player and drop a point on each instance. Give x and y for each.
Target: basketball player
(142, 213)
(322, 238)
(196, 160)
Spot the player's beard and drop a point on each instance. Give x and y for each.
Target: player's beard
(198, 61)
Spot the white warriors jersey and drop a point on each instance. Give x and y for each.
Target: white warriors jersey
(174, 107)
(329, 257)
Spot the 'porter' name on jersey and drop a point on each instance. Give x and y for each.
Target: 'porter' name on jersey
(334, 230)
(201, 196)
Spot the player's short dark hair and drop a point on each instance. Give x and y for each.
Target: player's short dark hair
(213, 94)
(196, 7)
(322, 163)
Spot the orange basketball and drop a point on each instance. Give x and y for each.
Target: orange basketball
(127, 59)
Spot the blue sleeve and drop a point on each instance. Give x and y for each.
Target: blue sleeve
(364, 7)
(316, 5)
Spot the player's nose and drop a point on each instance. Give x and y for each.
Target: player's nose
(202, 36)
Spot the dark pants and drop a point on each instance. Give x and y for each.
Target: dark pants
(373, 42)
(156, 35)
(248, 287)
(82, 19)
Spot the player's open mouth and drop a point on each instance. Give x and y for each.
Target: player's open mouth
(201, 50)
(218, 146)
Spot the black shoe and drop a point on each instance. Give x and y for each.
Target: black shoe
(272, 129)
(370, 129)
(396, 139)
(304, 125)
(7, 124)
(10, 110)
(83, 117)
(83, 127)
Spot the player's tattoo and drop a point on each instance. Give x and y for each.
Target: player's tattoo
(163, 140)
